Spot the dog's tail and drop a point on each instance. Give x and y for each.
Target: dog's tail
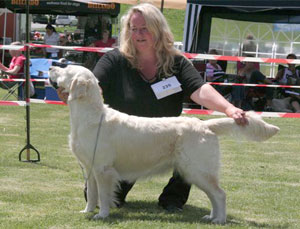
(256, 130)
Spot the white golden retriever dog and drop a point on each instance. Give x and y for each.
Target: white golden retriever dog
(113, 146)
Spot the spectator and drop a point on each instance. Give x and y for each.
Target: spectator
(250, 74)
(106, 41)
(51, 38)
(62, 42)
(70, 39)
(16, 67)
(290, 76)
(215, 73)
(92, 58)
(249, 46)
(238, 92)
(147, 56)
(248, 50)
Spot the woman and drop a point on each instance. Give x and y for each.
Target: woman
(106, 41)
(16, 68)
(146, 58)
(51, 38)
(214, 72)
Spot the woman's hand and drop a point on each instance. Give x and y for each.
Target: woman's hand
(237, 114)
(211, 99)
(63, 96)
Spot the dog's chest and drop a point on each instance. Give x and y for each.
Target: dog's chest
(82, 148)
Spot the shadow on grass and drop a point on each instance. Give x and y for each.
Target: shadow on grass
(150, 211)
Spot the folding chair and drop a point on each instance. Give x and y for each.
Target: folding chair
(13, 88)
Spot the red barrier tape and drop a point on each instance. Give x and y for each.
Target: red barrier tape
(185, 110)
(194, 56)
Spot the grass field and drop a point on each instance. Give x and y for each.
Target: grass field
(261, 180)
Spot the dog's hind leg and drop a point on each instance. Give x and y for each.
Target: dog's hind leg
(107, 180)
(210, 185)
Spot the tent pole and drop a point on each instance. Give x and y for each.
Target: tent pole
(27, 95)
(162, 6)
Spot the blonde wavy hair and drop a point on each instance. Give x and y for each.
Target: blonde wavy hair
(162, 35)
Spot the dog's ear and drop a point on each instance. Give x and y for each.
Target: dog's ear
(78, 89)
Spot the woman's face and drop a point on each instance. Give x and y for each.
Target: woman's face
(141, 38)
(49, 31)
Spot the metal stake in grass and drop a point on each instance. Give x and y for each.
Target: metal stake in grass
(28, 145)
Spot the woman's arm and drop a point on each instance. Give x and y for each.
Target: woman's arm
(13, 71)
(211, 99)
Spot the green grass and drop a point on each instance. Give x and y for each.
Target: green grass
(261, 180)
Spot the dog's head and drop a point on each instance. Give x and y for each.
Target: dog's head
(76, 80)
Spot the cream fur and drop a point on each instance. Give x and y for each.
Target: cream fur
(131, 147)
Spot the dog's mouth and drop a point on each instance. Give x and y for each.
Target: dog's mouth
(53, 84)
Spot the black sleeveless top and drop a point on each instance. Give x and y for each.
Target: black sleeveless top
(126, 91)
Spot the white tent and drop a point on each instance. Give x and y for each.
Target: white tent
(191, 18)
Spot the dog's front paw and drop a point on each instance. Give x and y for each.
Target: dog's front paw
(87, 209)
(208, 218)
(101, 215)
(219, 221)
